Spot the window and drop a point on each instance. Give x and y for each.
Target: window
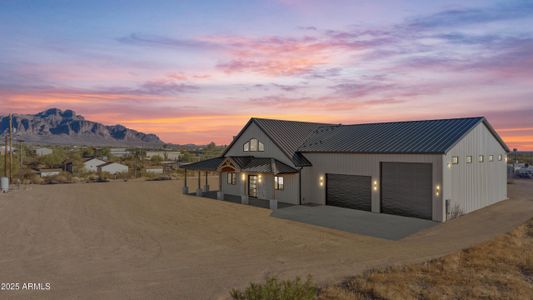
(481, 158)
(232, 178)
(469, 159)
(455, 160)
(500, 157)
(253, 145)
(491, 157)
(278, 183)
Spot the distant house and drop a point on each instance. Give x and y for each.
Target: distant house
(155, 170)
(112, 168)
(119, 152)
(91, 164)
(42, 151)
(165, 155)
(48, 172)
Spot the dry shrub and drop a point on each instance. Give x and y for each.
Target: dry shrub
(36, 179)
(275, 289)
(498, 269)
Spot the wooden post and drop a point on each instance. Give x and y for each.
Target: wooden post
(199, 179)
(206, 178)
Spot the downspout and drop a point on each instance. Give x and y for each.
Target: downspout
(300, 186)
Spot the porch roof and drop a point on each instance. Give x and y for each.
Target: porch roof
(204, 165)
(243, 163)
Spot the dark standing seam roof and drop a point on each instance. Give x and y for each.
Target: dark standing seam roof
(432, 136)
(288, 136)
(245, 163)
(204, 165)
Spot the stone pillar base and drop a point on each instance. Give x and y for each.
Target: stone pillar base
(244, 199)
(220, 195)
(199, 192)
(273, 204)
(185, 190)
(206, 188)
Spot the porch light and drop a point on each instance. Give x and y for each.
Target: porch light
(259, 178)
(243, 177)
(437, 190)
(449, 165)
(375, 185)
(321, 181)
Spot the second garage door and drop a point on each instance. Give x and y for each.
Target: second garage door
(350, 191)
(406, 189)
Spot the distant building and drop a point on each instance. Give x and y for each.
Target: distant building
(154, 170)
(42, 151)
(48, 172)
(91, 164)
(165, 155)
(119, 152)
(112, 168)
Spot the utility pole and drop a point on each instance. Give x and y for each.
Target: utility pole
(10, 147)
(5, 156)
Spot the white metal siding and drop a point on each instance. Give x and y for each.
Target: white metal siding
(366, 165)
(476, 185)
(271, 150)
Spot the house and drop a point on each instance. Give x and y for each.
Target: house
(119, 152)
(112, 168)
(165, 155)
(91, 164)
(428, 169)
(154, 170)
(42, 151)
(48, 172)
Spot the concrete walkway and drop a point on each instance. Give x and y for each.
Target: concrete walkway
(383, 226)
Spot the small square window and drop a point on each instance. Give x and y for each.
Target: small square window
(481, 158)
(469, 159)
(491, 157)
(278, 183)
(500, 157)
(455, 160)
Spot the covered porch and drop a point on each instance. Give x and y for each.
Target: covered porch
(243, 179)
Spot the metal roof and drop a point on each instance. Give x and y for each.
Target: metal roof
(288, 136)
(430, 136)
(244, 163)
(204, 165)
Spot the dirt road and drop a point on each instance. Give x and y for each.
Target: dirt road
(144, 240)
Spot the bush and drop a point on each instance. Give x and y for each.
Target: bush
(274, 289)
(36, 179)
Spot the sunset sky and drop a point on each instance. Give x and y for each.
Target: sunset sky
(196, 71)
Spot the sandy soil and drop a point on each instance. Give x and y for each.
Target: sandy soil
(144, 240)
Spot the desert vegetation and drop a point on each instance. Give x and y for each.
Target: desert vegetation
(498, 269)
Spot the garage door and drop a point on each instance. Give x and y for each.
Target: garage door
(349, 191)
(406, 189)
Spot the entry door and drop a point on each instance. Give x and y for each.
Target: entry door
(252, 186)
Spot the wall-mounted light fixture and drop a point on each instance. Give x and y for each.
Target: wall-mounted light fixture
(321, 181)
(437, 190)
(243, 177)
(375, 185)
(449, 165)
(259, 178)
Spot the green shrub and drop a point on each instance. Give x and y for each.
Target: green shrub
(275, 289)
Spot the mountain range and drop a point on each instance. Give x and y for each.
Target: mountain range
(54, 126)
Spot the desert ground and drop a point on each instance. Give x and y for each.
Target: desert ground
(145, 240)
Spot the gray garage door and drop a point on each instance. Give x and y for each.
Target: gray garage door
(406, 189)
(349, 191)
